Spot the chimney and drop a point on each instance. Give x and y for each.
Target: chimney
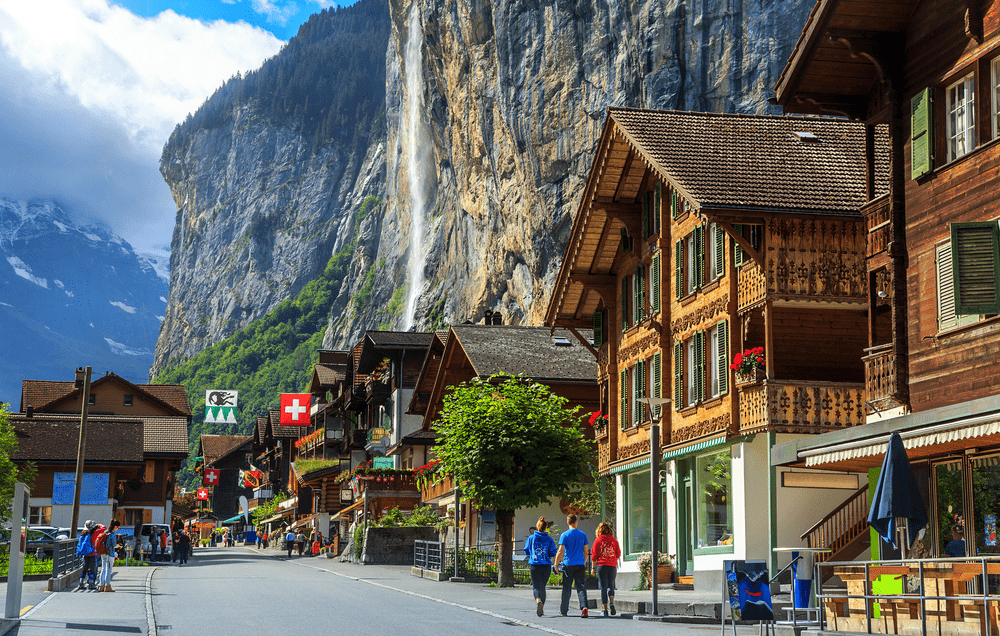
(30, 411)
(488, 317)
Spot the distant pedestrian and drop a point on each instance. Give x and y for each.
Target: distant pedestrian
(316, 544)
(290, 541)
(300, 540)
(154, 543)
(540, 549)
(265, 539)
(605, 555)
(85, 549)
(575, 559)
(182, 547)
(106, 549)
(163, 545)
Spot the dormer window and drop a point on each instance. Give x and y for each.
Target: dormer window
(92, 400)
(127, 399)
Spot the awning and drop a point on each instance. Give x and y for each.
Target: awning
(234, 518)
(343, 514)
(692, 448)
(629, 466)
(279, 516)
(950, 432)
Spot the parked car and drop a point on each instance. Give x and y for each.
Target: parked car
(146, 530)
(37, 539)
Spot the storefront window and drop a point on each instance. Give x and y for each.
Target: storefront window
(715, 508)
(950, 511)
(986, 502)
(638, 512)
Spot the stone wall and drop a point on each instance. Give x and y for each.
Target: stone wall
(394, 546)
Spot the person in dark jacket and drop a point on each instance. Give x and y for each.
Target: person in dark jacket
(540, 549)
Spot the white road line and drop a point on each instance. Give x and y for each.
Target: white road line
(35, 608)
(150, 619)
(470, 608)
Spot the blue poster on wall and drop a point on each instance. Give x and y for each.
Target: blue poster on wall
(990, 531)
(93, 492)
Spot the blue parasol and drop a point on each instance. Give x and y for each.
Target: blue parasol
(896, 498)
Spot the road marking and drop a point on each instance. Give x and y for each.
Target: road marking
(469, 608)
(35, 608)
(26, 608)
(150, 619)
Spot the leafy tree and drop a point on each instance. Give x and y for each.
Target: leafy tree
(511, 443)
(267, 509)
(10, 473)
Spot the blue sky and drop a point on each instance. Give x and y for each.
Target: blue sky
(93, 89)
(280, 17)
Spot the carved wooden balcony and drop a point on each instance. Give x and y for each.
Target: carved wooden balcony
(386, 484)
(377, 392)
(798, 406)
(438, 489)
(877, 226)
(880, 373)
(751, 290)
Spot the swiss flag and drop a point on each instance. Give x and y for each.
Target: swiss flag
(295, 409)
(203, 493)
(211, 477)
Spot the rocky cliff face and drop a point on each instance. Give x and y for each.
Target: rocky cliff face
(493, 108)
(510, 103)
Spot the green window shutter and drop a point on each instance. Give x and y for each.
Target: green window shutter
(673, 204)
(654, 284)
(720, 251)
(945, 289)
(723, 357)
(699, 366)
(645, 215)
(737, 250)
(623, 402)
(921, 131)
(626, 243)
(679, 267)
(678, 376)
(699, 255)
(657, 380)
(639, 282)
(657, 221)
(598, 328)
(640, 384)
(975, 250)
(625, 293)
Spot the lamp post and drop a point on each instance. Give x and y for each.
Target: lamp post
(654, 486)
(82, 380)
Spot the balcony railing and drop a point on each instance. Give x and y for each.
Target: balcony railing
(877, 226)
(801, 405)
(438, 489)
(751, 287)
(880, 372)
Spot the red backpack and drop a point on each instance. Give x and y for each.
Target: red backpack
(97, 539)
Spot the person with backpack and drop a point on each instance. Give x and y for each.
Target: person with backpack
(105, 540)
(85, 549)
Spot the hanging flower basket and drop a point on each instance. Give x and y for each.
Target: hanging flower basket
(749, 366)
(754, 376)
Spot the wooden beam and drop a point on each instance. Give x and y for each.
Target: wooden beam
(601, 246)
(593, 280)
(624, 175)
(583, 341)
(742, 242)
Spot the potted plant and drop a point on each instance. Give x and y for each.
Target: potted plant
(749, 365)
(600, 422)
(664, 568)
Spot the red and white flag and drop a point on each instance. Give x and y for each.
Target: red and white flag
(295, 409)
(203, 493)
(211, 477)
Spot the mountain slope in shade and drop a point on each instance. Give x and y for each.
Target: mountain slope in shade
(72, 295)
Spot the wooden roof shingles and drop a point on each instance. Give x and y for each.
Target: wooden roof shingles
(55, 438)
(43, 393)
(531, 351)
(216, 447)
(285, 432)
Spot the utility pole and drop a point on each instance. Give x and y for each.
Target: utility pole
(82, 380)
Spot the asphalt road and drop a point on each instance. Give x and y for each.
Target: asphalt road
(245, 591)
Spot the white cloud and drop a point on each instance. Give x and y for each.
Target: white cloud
(275, 12)
(125, 350)
(91, 94)
(123, 306)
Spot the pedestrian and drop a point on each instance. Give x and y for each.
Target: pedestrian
(575, 559)
(163, 545)
(956, 547)
(604, 555)
(540, 549)
(173, 553)
(290, 541)
(265, 539)
(181, 547)
(107, 541)
(85, 549)
(154, 543)
(300, 540)
(317, 542)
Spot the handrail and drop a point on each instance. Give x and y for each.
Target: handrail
(861, 492)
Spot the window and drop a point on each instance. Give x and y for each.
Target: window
(947, 318)
(692, 249)
(654, 284)
(713, 476)
(127, 399)
(995, 83)
(691, 363)
(701, 366)
(651, 211)
(40, 515)
(92, 400)
(639, 295)
(754, 235)
(715, 255)
(598, 328)
(638, 383)
(626, 317)
(623, 401)
(975, 248)
(700, 258)
(960, 98)
(133, 516)
(638, 507)
(712, 363)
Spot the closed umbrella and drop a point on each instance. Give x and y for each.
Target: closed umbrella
(896, 503)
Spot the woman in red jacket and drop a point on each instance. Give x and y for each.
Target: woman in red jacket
(605, 555)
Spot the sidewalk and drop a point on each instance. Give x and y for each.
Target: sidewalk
(122, 611)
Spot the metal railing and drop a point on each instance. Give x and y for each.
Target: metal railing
(476, 565)
(940, 608)
(427, 555)
(64, 558)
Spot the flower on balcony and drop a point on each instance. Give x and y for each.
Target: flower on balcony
(599, 421)
(303, 442)
(381, 372)
(428, 474)
(364, 470)
(745, 363)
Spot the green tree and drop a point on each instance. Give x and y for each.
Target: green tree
(10, 473)
(511, 443)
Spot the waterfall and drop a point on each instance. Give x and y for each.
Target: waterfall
(417, 154)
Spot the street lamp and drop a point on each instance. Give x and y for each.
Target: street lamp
(82, 381)
(654, 484)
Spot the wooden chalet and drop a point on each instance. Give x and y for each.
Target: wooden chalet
(699, 236)
(556, 358)
(929, 72)
(164, 414)
(229, 454)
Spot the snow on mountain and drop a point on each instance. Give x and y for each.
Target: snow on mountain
(73, 294)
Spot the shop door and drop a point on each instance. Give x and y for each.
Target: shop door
(685, 520)
(949, 509)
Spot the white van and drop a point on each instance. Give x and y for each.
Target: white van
(146, 531)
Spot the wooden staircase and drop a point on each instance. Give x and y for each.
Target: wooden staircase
(844, 531)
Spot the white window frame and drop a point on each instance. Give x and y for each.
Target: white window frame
(960, 99)
(711, 262)
(690, 384)
(632, 394)
(689, 264)
(995, 106)
(712, 360)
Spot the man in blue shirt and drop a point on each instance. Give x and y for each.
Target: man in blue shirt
(573, 546)
(956, 547)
